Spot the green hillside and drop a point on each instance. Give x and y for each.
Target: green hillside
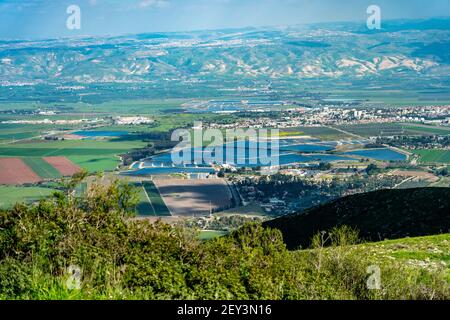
(428, 252)
(379, 215)
(120, 257)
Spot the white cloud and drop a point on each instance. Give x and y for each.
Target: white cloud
(153, 4)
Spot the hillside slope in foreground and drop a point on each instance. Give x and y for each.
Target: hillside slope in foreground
(430, 252)
(379, 215)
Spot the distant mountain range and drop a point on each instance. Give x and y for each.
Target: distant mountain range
(342, 51)
(379, 215)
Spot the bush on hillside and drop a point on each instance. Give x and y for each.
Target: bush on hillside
(119, 257)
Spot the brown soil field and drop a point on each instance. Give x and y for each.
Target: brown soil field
(63, 165)
(418, 174)
(14, 171)
(185, 197)
(72, 137)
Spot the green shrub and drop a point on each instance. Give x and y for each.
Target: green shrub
(124, 258)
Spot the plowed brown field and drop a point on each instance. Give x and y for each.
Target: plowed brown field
(15, 171)
(63, 165)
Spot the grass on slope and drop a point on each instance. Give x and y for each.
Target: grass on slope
(431, 252)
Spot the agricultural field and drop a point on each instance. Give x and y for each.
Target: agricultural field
(433, 155)
(13, 132)
(92, 155)
(64, 166)
(96, 164)
(150, 202)
(155, 199)
(370, 130)
(423, 129)
(10, 195)
(392, 129)
(250, 210)
(322, 133)
(413, 183)
(414, 173)
(129, 107)
(210, 234)
(194, 197)
(406, 96)
(43, 148)
(287, 133)
(15, 171)
(144, 208)
(44, 169)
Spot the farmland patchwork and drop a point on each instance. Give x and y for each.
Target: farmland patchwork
(16, 171)
(63, 165)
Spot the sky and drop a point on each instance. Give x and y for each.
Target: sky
(41, 19)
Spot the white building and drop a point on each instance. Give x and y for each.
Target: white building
(133, 120)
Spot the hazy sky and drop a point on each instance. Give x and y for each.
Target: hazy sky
(47, 18)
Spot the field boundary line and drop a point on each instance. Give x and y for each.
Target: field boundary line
(149, 201)
(346, 132)
(399, 184)
(162, 198)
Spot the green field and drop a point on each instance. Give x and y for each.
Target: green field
(42, 168)
(391, 129)
(68, 148)
(210, 234)
(368, 130)
(252, 210)
(10, 137)
(129, 107)
(150, 201)
(422, 129)
(92, 155)
(96, 164)
(11, 132)
(159, 207)
(144, 208)
(12, 195)
(322, 133)
(433, 155)
(399, 97)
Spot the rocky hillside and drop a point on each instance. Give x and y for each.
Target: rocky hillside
(330, 51)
